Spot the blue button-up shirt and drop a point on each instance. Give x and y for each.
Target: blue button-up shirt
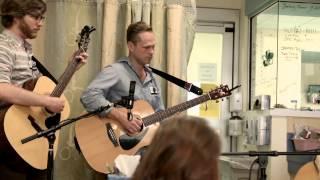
(113, 82)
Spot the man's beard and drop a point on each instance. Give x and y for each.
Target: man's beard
(26, 30)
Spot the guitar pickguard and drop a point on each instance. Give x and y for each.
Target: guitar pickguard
(128, 142)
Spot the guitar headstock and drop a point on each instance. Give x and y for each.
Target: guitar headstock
(84, 37)
(221, 91)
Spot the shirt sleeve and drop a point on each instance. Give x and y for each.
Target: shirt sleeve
(6, 64)
(95, 96)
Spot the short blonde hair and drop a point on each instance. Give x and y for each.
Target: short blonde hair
(135, 29)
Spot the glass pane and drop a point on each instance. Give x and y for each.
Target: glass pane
(299, 55)
(285, 56)
(264, 54)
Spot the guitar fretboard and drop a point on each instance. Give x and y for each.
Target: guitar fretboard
(65, 78)
(220, 92)
(159, 116)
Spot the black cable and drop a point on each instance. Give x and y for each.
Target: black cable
(251, 167)
(315, 163)
(230, 143)
(259, 171)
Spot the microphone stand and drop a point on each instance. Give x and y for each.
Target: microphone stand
(50, 135)
(262, 158)
(128, 101)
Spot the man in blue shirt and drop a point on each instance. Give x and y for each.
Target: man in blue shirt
(113, 82)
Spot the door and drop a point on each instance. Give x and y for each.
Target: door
(212, 63)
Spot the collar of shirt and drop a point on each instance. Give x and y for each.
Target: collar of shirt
(17, 41)
(146, 67)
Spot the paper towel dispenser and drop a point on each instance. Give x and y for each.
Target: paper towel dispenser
(259, 130)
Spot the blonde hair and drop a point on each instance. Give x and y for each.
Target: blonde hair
(135, 29)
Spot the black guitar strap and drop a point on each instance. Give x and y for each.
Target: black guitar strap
(43, 70)
(188, 86)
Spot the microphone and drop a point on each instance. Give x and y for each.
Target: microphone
(131, 94)
(131, 99)
(195, 89)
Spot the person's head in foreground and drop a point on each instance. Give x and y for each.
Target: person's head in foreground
(183, 148)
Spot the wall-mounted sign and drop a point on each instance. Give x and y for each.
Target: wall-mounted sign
(208, 72)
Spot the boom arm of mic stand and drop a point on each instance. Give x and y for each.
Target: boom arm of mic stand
(271, 153)
(262, 157)
(63, 123)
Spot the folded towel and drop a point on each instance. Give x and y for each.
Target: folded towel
(127, 164)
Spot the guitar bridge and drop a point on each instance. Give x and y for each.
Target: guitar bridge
(112, 135)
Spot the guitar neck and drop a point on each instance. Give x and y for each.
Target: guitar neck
(83, 42)
(159, 116)
(65, 78)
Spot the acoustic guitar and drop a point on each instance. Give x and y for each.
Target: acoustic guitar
(102, 140)
(308, 171)
(22, 121)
